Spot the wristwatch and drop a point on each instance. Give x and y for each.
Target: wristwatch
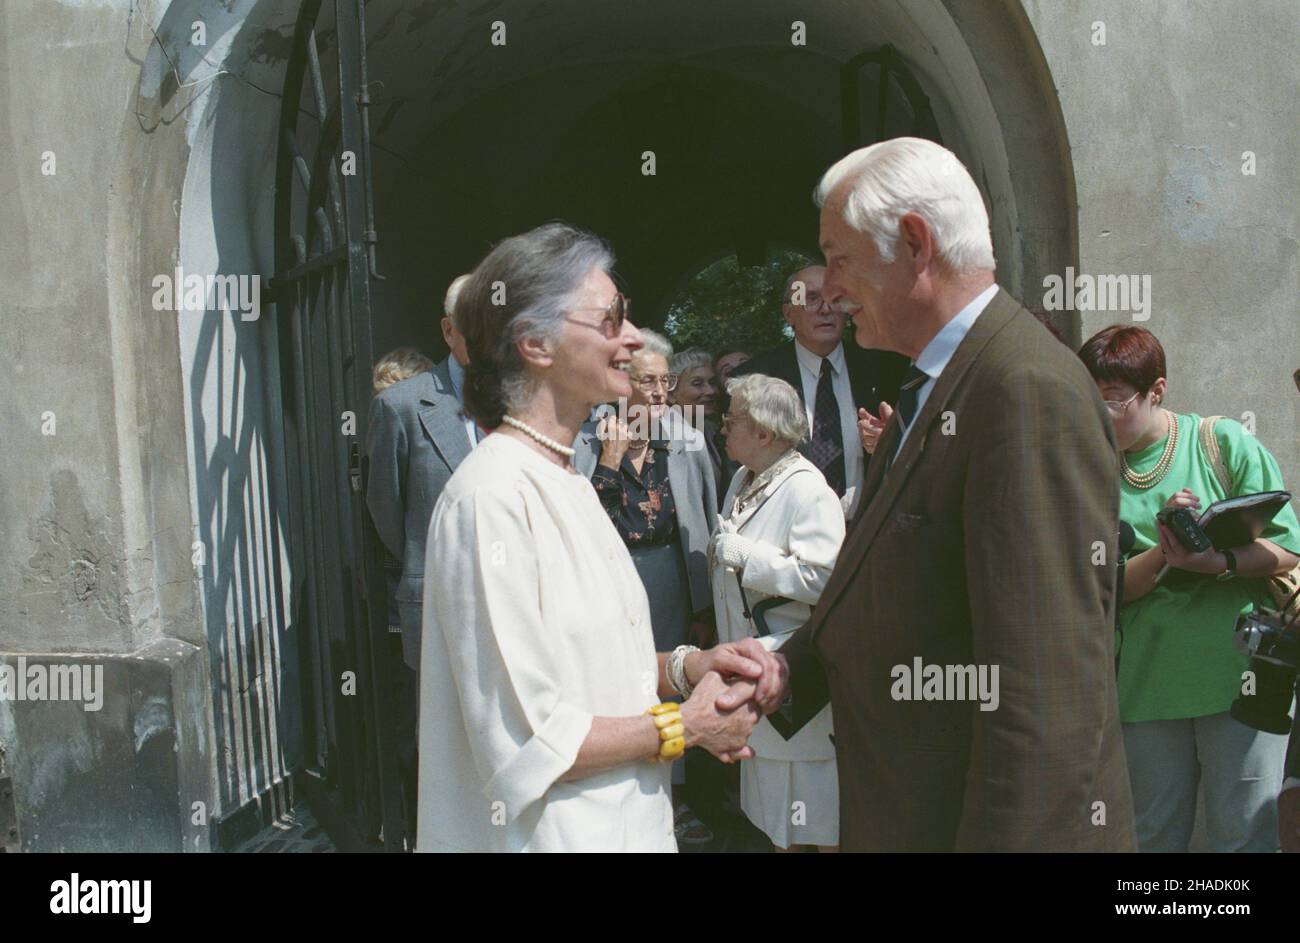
(1231, 571)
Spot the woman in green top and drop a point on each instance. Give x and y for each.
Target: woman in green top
(1179, 669)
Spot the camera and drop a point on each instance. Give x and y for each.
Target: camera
(1274, 650)
(1186, 528)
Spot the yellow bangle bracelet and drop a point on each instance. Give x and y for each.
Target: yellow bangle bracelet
(667, 719)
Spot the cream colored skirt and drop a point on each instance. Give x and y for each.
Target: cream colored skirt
(794, 803)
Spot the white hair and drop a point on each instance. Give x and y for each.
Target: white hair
(690, 360)
(913, 175)
(655, 343)
(771, 404)
(449, 302)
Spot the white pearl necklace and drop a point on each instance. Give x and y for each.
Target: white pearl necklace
(538, 437)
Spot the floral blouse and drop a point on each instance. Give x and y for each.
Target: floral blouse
(640, 505)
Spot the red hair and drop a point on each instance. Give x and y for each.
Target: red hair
(1125, 354)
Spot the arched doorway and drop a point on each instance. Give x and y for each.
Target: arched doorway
(472, 140)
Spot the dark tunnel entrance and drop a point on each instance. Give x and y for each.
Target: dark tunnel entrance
(674, 164)
(682, 135)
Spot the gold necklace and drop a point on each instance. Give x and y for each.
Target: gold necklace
(1149, 479)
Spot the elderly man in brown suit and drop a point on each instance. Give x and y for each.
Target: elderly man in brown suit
(965, 638)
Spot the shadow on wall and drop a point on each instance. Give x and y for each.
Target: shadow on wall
(229, 361)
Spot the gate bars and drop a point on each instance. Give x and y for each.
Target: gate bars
(324, 260)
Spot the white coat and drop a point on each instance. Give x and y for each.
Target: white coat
(798, 523)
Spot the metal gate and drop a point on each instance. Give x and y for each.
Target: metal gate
(324, 261)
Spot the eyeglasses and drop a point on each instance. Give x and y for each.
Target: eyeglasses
(650, 384)
(732, 418)
(1119, 408)
(615, 314)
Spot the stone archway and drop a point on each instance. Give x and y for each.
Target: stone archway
(469, 145)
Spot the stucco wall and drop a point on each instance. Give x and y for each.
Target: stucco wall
(95, 523)
(1158, 119)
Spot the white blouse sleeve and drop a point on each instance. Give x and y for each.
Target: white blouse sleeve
(483, 573)
(816, 532)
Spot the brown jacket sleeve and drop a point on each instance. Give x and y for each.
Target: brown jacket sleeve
(809, 692)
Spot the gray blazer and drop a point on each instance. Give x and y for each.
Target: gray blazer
(415, 439)
(695, 492)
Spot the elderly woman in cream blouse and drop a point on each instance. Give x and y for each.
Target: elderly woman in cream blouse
(779, 537)
(541, 722)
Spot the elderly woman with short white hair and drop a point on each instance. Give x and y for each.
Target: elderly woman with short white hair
(779, 537)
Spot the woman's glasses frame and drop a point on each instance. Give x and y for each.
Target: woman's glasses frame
(1117, 408)
(615, 314)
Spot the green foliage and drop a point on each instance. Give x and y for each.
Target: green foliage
(726, 305)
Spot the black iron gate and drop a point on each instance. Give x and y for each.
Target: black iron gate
(324, 261)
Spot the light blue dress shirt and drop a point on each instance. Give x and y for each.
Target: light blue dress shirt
(942, 346)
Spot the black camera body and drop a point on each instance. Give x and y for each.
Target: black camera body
(1186, 528)
(1274, 650)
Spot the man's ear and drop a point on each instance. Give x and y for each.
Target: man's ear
(535, 351)
(918, 239)
(448, 332)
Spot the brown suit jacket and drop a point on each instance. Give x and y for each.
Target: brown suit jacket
(990, 541)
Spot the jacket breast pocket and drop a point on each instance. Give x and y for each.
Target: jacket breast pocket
(903, 522)
(917, 551)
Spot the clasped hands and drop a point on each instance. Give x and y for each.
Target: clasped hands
(735, 684)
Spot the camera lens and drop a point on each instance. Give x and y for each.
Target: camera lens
(1267, 709)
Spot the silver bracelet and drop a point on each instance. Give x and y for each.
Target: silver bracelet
(676, 670)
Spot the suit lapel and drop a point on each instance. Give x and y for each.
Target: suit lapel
(440, 415)
(586, 450)
(863, 379)
(679, 473)
(880, 487)
(875, 471)
(793, 372)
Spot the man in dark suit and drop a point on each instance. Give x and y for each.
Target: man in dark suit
(834, 380)
(966, 636)
(417, 435)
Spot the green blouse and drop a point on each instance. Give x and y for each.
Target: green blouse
(1177, 657)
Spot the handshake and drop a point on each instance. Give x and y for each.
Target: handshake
(735, 685)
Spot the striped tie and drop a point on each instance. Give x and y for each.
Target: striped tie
(909, 394)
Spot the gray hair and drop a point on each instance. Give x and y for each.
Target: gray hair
(913, 175)
(449, 301)
(655, 343)
(770, 404)
(520, 291)
(689, 360)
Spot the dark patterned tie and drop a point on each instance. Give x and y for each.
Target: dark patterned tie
(827, 447)
(908, 395)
